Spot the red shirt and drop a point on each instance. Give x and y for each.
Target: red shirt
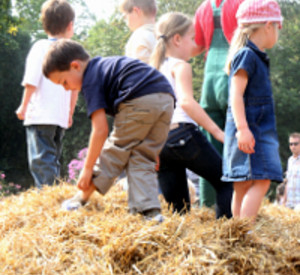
(204, 22)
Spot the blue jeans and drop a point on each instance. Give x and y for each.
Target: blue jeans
(187, 147)
(44, 147)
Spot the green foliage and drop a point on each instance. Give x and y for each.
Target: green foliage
(8, 188)
(14, 47)
(29, 14)
(285, 70)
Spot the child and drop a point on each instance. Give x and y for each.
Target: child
(292, 188)
(140, 99)
(46, 108)
(140, 18)
(251, 157)
(186, 146)
(215, 23)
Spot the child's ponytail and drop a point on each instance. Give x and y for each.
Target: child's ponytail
(239, 40)
(159, 53)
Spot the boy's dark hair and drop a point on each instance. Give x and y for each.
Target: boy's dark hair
(56, 16)
(60, 55)
(147, 6)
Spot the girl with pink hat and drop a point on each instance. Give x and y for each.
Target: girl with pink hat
(251, 155)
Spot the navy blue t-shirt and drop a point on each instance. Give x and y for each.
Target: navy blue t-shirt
(108, 81)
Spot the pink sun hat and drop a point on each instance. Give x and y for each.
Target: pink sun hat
(259, 11)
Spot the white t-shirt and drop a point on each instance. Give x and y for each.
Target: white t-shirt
(179, 114)
(141, 37)
(293, 182)
(50, 103)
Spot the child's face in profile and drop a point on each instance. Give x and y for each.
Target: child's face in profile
(132, 18)
(71, 80)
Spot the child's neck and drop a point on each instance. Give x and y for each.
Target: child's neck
(60, 35)
(258, 38)
(145, 21)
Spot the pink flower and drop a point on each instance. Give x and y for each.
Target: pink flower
(18, 186)
(2, 176)
(82, 153)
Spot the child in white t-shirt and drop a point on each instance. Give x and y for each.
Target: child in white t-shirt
(46, 108)
(140, 18)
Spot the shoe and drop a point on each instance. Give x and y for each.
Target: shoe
(153, 215)
(72, 204)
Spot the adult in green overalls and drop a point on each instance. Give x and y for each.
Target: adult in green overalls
(215, 23)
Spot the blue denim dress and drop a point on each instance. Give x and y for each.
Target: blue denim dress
(259, 107)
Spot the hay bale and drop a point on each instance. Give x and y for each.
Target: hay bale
(37, 237)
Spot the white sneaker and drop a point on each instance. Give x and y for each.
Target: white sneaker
(72, 204)
(153, 215)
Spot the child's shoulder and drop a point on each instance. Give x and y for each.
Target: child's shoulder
(38, 50)
(40, 45)
(145, 30)
(245, 54)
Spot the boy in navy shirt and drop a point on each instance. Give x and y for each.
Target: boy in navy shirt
(142, 102)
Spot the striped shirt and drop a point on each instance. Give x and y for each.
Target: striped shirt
(293, 182)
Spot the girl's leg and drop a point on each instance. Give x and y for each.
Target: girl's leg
(240, 189)
(253, 199)
(173, 184)
(207, 163)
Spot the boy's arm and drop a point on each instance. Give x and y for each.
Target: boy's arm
(98, 136)
(246, 141)
(28, 91)
(74, 97)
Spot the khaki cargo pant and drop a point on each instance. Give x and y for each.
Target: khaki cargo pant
(139, 132)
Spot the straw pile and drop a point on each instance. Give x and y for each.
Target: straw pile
(36, 237)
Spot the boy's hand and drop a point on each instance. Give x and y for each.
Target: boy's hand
(246, 141)
(20, 112)
(85, 179)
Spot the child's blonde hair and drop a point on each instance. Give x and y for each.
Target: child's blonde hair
(295, 135)
(56, 15)
(239, 40)
(167, 26)
(147, 6)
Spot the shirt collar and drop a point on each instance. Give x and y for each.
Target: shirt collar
(263, 56)
(296, 158)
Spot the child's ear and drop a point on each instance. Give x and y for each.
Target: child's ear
(137, 10)
(75, 65)
(176, 39)
(269, 25)
(70, 26)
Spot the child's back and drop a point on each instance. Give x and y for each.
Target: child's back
(140, 17)
(46, 108)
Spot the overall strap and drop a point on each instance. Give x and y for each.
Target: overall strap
(217, 13)
(213, 4)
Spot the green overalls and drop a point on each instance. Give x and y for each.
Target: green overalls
(214, 94)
